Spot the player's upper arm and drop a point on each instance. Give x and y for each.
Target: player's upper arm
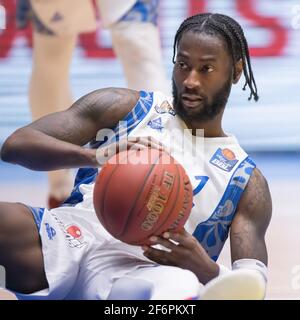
(247, 236)
(80, 123)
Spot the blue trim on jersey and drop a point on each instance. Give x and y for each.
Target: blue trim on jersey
(142, 11)
(135, 116)
(131, 120)
(84, 176)
(38, 214)
(213, 232)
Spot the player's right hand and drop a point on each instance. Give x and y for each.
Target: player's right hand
(103, 154)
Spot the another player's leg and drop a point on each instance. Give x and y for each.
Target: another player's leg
(50, 92)
(136, 41)
(20, 249)
(50, 86)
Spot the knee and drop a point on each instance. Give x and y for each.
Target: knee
(13, 218)
(183, 278)
(128, 288)
(4, 214)
(179, 284)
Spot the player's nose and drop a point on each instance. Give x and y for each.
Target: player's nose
(192, 80)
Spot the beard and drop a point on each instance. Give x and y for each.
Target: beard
(205, 111)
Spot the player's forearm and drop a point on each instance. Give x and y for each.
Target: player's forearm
(38, 151)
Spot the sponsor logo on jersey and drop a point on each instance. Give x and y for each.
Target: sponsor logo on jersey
(156, 124)
(72, 233)
(165, 107)
(224, 159)
(74, 236)
(50, 231)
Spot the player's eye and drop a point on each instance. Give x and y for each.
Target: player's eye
(182, 65)
(207, 69)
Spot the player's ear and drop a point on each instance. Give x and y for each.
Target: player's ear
(238, 71)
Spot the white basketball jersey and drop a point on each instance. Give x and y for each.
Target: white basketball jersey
(218, 168)
(82, 260)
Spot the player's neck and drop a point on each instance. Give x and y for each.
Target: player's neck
(212, 128)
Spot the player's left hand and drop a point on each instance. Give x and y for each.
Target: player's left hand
(184, 251)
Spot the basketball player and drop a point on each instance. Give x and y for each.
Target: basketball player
(65, 252)
(57, 23)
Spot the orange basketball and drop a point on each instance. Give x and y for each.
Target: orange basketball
(142, 193)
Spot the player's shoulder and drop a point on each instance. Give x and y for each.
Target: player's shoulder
(257, 183)
(111, 96)
(110, 102)
(256, 200)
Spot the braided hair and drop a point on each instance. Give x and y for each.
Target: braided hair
(231, 32)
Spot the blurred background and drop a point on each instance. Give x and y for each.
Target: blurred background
(269, 130)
